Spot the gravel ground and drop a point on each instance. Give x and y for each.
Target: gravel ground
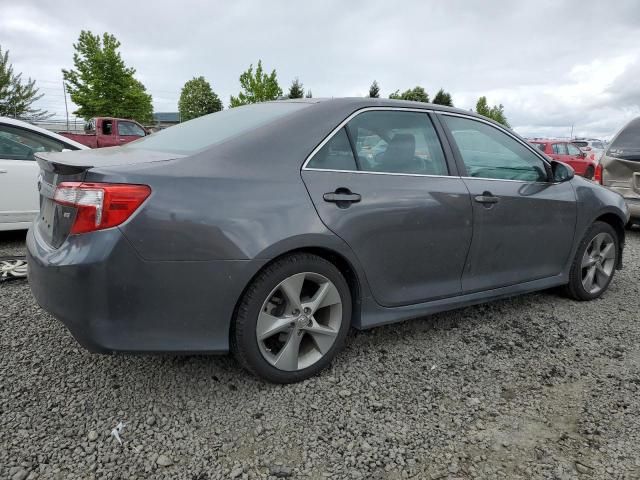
(532, 387)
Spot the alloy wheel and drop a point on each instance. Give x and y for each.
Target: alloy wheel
(299, 321)
(598, 263)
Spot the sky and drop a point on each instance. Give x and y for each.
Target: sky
(554, 65)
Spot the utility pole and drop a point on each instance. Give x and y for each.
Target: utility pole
(571, 132)
(64, 92)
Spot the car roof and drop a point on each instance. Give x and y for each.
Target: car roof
(43, 131)
(365, 102)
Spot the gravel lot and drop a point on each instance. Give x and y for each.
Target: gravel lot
(532, 387)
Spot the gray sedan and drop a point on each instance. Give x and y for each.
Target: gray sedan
(269, 230)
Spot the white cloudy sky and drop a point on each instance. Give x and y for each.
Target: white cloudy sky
(552, 63)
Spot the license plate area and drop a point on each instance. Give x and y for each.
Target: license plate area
(54, 220)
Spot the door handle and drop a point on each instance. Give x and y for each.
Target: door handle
(343, 197)
(486, 198)
(3, 171)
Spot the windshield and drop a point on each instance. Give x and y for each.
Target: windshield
(199, 133)
(626, 144)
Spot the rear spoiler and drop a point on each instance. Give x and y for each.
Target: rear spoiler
(56, 162)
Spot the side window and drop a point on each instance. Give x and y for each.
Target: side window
(20, 144)
(573, 150)
(488, 152)
(397, 142)
(336, 154)
(560, 149)
(130, 129)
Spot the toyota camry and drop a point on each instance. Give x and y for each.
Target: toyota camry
(270, 230)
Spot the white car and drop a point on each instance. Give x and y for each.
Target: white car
(590, 146)
(19, 203)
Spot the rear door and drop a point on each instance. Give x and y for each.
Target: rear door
(19, 172)
(397, 202)
(129, 131)
(523, 225)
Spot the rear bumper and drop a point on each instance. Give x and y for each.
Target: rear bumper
(111, 300)
(634, 208)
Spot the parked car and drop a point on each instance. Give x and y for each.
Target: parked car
(590, 146)
(19, 141)
(108, 132)
(568, 153)
(264, 230)
(619, 167)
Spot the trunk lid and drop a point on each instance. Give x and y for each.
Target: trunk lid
(54, 221)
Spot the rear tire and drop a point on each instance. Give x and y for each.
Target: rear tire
(589, 172)
(595, 263)
(292, 320)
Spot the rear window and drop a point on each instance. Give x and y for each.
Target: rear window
(627, 143)
(200, 133)
(539, 146)
(581, 144)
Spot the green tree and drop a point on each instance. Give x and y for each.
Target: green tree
(417, 94)
(101, 84)
(257, 87)
(296, 89)
(443, 98)
(496, 112)
(197, 99)
(374, 90)
(16, 96)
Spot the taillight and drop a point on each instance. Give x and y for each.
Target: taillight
(597, 176)
(100, 205)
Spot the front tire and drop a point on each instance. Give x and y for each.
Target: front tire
(594, 264)
(293, 319)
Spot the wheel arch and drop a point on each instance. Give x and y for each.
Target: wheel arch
(618, 225)
(346, 267)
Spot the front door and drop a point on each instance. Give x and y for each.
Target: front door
(407, 220)
(523, 225)
(129, 131)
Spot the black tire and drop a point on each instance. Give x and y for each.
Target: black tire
(244, 342)
(589, 172)
(575, 289)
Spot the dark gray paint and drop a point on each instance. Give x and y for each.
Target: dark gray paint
(169, 278)
(401, 230)
(525, 236)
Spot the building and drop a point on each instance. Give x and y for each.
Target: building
(165, 119)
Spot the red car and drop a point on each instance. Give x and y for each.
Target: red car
(108, 132)
(568, 153)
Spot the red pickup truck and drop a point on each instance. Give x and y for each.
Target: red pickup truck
(108, 132)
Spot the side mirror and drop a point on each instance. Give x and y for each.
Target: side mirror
(583, 154)
(561, 171)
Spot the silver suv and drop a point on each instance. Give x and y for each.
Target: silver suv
(620, 167)
(589, 146)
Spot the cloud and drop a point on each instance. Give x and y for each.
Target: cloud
(551, 64)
